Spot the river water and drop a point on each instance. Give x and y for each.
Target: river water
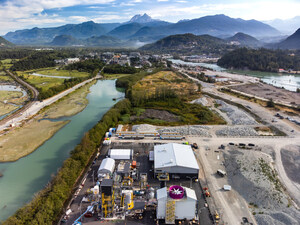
(288, 81)
(23, 178)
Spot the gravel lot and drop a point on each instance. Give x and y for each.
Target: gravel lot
(236, 115)
(198, 130)
(237, 131)
(251, 174)
(291, 161)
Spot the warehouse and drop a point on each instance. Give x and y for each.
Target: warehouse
(177, 203)
(175, 159)
(120, 154)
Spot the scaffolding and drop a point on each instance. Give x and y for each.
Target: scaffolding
(170, 212)
(108, 202)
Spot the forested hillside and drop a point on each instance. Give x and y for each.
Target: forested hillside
(261, 59)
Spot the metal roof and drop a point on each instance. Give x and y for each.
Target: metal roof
(190, 193)
(161, 193)
(172, 154)
(107, 165)
(120, 153)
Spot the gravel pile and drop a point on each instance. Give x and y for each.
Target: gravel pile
(237, 116)
(203, 101)
(249, 173)
(144, 128)
(237, 131)
(198, 130)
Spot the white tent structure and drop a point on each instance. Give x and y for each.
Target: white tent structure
(107, 166)
(120, 154)
(175, 158)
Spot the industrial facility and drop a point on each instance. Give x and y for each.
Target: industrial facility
(175, 159)
(135, 181)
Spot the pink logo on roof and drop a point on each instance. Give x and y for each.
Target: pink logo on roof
(176, 192)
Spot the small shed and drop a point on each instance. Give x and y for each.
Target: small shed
(121, 154)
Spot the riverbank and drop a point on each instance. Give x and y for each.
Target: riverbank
(38, 168)
(23, 140)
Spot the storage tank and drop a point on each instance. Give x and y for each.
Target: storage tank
(107, 166)
(128, 199)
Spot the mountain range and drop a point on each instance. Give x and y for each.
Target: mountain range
(292, 42)
(287, 26)
(191, 44)
(142, 28)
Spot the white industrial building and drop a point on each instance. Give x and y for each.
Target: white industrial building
(107, 166)
(171, 209)
(121, 154)
(175, 159)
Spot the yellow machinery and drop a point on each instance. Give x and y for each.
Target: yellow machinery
(108, 202)
(127, 181)
(127, 199)
(217, 217)
(163, 177)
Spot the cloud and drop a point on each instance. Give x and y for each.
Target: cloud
(106, 18)
(17, 14)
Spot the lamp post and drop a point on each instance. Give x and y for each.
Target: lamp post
(191, 180)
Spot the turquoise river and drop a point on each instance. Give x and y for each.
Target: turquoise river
(25, 177)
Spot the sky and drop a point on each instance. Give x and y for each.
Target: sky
(21, 14)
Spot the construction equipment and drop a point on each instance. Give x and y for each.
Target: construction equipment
(194, 145)
(217, 217)
(207, 193)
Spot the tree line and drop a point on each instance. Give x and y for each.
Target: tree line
(260, 59)
(68, 83)
(48, 205)
(118, 69)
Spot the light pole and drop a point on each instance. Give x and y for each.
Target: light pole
(191, 180)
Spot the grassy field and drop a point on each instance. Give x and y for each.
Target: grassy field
(166, 79)
(6, 108)
(23, 140)
(58, 72)
(4, 77)
(6, 63)
(10, 97)
(47, 82)
(114, 76)
(69, 105)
